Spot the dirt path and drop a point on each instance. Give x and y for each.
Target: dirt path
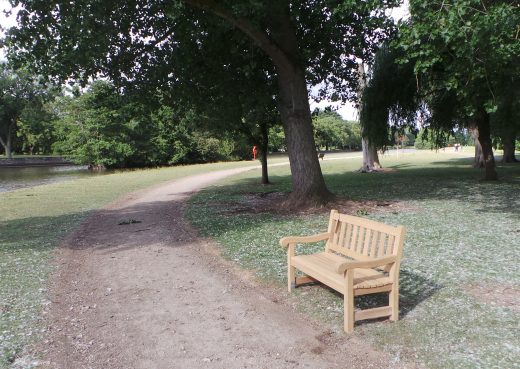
(154, 295)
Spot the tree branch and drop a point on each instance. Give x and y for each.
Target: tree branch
(262, 40)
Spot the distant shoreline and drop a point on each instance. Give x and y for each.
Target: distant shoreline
(42, 161)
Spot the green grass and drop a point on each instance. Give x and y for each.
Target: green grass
(33, 221)
(460, 231)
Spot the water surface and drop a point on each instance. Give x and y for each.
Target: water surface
(24, 177)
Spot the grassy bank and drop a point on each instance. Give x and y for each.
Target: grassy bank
(33, 221)
(460, 279)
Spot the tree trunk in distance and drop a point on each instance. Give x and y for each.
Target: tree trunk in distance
(370, 157)
(478, 161)
(375, 157)
(2, 142)
(8, 142)
(264, 147)
(8, 146)
(484, 137)
(368, 160)
(508, 142)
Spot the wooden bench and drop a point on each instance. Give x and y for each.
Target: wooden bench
(361, 257)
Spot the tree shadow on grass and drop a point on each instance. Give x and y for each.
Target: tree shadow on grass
(435, 183)
(105, 229)
(451, 183)
(36, 233)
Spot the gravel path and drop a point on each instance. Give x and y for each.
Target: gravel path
(151, 294)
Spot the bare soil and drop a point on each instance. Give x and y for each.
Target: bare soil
(136, 287)
(269, 202)
(504, 295)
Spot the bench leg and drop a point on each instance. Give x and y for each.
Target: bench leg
(348, 301)
(291, 271)
(393, 300)
(291, 277)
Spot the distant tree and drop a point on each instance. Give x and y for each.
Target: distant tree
(21, 94)
(353, 141)
(91, 128)
(104, 127)
(330, 131)
(276, 139)
(176, 140)
(35, 130)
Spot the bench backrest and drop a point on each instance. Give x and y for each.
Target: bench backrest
(363, 239)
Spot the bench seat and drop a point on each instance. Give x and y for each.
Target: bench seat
(322, 267)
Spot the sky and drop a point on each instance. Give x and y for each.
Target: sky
(347, 111)
(5, 22)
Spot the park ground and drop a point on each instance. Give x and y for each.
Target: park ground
(459, 282)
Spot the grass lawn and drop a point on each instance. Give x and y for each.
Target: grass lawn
(33, 221)
(460, 278)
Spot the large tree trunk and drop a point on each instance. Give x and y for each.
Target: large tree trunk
(508, 143)
(308, 183)
(375, 157)
(484, 137)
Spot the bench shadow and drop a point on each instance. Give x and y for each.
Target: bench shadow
(413, 290)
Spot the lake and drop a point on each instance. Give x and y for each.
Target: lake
(14, 178)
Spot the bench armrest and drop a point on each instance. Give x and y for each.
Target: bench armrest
(366, 264)
(304, 239)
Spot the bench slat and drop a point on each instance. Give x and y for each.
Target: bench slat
(373, 313)
(366, 245)
(374, 243)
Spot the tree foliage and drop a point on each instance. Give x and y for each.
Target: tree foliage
(104, 127)
(450, 43)
(390, 100)
(331, 131)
